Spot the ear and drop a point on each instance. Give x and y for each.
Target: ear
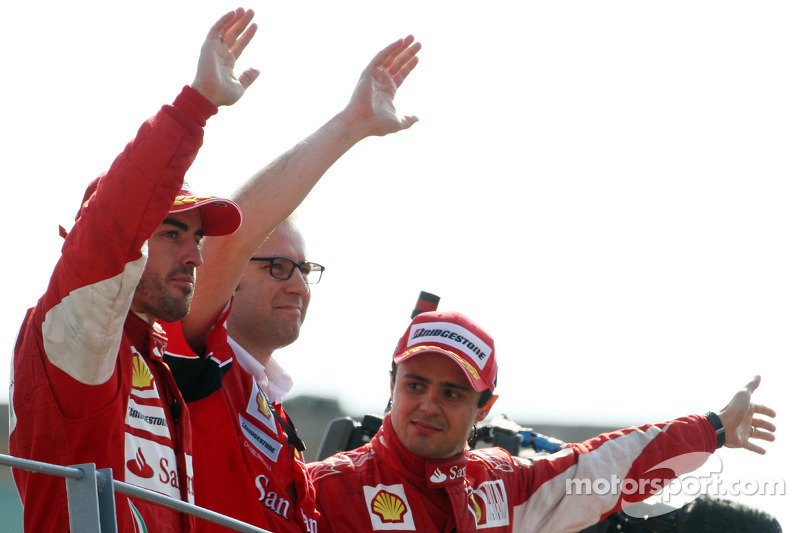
(484, 411)
(391, 387)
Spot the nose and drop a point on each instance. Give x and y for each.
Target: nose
(296, 284)
(192, 256)
(429, 402)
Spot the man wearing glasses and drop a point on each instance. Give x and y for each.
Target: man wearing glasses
(247, 447)
(248, 460)
(272, 298)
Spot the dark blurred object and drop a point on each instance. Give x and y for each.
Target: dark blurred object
(503, 432)
(346, 434)
(426, 302)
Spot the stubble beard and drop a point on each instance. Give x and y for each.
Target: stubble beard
(158, 302)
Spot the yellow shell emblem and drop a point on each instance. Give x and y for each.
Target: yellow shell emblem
(389, 507)
(142, 378)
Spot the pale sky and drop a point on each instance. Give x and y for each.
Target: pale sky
(609, 188)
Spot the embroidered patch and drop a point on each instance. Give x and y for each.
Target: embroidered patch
(388, 508)
(489, 504)
(453, 335)
(263, 442)
(258, 409)
(143, 380)
(149, 418)
(151, 466)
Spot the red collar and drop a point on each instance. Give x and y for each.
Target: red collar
(431, 473)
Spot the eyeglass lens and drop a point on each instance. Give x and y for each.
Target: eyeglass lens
(283, 268)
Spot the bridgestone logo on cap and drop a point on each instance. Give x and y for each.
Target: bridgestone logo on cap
(453, 335)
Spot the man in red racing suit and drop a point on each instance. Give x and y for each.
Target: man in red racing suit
(417, 474)
(89, 384)
(235, 423)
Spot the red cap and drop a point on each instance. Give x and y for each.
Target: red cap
(457, 337)
(218, 216)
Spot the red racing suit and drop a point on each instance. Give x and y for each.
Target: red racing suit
(89, 384)
(381, 486)
(246, 466)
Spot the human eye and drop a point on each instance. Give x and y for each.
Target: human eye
(279, 268)
(415, 386)
(452, 394)
(305, 269)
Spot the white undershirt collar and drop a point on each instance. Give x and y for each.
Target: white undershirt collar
(272, 377)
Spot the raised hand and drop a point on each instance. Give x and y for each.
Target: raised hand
(371, 109)
(224, 44)
(742, 427)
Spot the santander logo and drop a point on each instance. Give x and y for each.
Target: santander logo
(139, 466)
(438, 476)
(455, 472)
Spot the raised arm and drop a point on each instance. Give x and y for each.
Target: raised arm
(272, 194)
(742, 426)
(92, 286)
(223, 45)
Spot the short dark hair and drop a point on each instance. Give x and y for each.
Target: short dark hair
(485, 394)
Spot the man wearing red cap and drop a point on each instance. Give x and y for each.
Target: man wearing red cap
(417, 473)
(234, 391)
(89, 384)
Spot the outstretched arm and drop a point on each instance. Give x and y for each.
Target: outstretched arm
(272, 194)
(742, 426)
(223, 45)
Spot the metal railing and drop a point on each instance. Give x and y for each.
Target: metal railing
(90, 497)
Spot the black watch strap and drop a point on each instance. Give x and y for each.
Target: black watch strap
(716, 423)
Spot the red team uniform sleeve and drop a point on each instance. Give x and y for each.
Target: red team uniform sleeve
(558, 491)
(65, 370)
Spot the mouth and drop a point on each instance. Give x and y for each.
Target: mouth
(425, 428)
(184, 282)
(293, 309)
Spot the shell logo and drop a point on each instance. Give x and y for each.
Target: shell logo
(389, 507)
(142, 378)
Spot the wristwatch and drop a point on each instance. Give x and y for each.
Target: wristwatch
(716, 423)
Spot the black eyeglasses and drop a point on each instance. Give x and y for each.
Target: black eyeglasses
(283, 268)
